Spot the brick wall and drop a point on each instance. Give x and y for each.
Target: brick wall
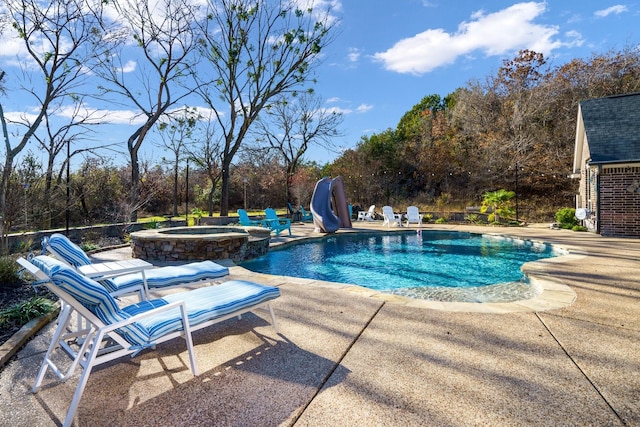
(620, 202)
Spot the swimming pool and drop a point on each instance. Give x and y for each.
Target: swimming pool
(434, 265)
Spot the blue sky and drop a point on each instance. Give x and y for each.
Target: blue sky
(389, 54)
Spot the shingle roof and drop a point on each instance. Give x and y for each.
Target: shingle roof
(612, 126)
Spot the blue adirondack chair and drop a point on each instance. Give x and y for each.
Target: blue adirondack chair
(245, 220)
(274, 223)
(306, 215)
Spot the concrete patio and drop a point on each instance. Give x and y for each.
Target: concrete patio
(351, 357)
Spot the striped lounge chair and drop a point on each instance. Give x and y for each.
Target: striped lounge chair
(113, 331)
(156, 278)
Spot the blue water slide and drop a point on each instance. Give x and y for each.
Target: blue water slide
(323, 217)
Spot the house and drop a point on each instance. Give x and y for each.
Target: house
(607, 161)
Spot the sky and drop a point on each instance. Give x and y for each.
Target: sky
(389, 54)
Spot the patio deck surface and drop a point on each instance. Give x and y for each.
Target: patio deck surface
(351, 357)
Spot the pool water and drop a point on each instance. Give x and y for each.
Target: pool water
(434, 265)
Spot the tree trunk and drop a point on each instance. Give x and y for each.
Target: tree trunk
(135, 186)
(224, 196)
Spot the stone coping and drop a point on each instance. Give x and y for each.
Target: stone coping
(200, 232)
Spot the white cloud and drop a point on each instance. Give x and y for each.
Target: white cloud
(363, 108)
(617, 9)
(354, 54)
(332, 100)
(507, 30)
(129, 67)
(338, 110)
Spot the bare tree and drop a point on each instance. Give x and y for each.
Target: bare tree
(175, 135)
(257, 50)
(165, 35)
(291, 127)
(58, 39)
(207, 155)
(56, 137)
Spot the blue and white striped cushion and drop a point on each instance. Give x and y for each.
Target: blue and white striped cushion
(93, 296)
(163, 277)
(67, 250)
(203, 304)
(47, 264)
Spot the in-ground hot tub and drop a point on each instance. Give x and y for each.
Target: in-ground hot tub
(200, 243)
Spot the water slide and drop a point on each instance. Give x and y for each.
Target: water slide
(329, 206)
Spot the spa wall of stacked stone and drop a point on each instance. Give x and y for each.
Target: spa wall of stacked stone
(200, 243)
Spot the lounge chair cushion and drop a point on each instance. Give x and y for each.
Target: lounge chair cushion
(203, 304)
(93, 296)
(69, 251)
(164, 277)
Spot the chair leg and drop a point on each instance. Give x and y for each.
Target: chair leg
(273, 319)
(63, 320)
(189, 340)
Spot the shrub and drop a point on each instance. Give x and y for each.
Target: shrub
(152, 225)
(427, 217)
(579, 228)
(9, 272)
(566, 218)
(22, 313)
(441, 220)
(474, 219)
(89, 246)
(23, 246)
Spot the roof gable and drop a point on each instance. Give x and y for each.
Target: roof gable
(612, 128)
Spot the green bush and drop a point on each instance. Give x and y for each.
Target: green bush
(566, 218)
(9, 272)
(20, 314)
(579, 228)
(441, 220)
(474, 219)
(152, 225)
(427, 217)
(89, 246)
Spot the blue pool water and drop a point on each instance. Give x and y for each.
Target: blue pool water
(436, 265)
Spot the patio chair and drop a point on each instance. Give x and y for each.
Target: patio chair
(413, 215)
(306, 215)
(155, 278)
(274, 223)
(391, 218)
(366, 215)
(294, 213)
(245, 221)
(113, 332)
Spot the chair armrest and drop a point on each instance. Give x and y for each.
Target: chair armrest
(139, 289)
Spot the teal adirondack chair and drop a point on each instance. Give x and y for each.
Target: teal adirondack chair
(245, 220)
(306, 215)
(274, 223)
